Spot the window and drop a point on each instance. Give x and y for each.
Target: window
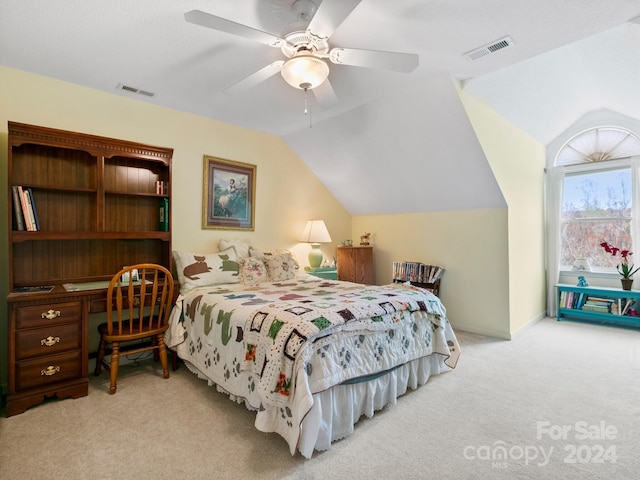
(592, 195)
(596, 207)
(598, 145)
(596, 203)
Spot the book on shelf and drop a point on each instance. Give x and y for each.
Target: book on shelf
(572, 300)
(25, 209)
(18, 215)
(615, 307)
(416, 272)
(596, 308)
(162, 187)
(595, 303)
(28, 209)
(164, 215)
(34, 211)
(591, 303)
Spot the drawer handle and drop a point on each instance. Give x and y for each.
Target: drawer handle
(49, 341)
(50, 370)
(51, 314)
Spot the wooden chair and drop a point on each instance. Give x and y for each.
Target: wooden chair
(138, 310)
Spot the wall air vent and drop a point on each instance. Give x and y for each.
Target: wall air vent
(127, 88)
(490, 48)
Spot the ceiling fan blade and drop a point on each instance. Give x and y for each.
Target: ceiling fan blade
(330, 14)
(204, 19)
(325, 95)
(255, 78)
(399, 62)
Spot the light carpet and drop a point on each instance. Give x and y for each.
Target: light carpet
(559, 401)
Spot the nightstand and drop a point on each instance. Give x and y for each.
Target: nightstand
(328, 273)
(355, 264)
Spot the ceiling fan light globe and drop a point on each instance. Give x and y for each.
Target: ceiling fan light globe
(305, 70)
(304, 10)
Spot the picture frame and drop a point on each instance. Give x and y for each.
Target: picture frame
(229, 191)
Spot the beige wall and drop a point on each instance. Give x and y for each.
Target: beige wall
(470, 244)
(518, 162)
(287, 193)
(494, 279)
(281, 176)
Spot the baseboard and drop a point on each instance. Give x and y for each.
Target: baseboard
(485, 332)
(527, 326)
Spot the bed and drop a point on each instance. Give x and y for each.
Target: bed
(310, 356)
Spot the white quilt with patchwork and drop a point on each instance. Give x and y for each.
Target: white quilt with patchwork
(276, 344)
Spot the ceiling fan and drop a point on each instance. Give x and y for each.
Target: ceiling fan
(306, 51)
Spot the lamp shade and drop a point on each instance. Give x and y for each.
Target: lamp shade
(305, 71)
(315, 231)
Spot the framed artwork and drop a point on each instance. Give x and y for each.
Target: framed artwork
(229, 192)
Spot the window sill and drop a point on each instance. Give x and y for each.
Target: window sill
(590, 273)
(594, 278)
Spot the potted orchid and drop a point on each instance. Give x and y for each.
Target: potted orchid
(623, 268)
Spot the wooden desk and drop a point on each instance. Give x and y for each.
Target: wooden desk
(97, 201)
(48, 345)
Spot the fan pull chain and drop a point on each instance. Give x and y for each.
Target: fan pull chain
(307, 107)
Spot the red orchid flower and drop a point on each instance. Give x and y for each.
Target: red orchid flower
(623, 269)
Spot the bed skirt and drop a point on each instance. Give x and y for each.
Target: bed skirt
(336, 411)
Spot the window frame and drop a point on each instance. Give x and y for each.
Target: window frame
(631, 163)
(553, 195)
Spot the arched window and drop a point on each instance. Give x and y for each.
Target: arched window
(598, 145)
(593, 196)
(597, 194)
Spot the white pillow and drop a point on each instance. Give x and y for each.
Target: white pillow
(202, 269)
(242, 246)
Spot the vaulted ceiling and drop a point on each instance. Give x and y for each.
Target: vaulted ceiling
(390, 133)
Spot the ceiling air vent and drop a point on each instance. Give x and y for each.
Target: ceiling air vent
(127, 88)
(491, 48)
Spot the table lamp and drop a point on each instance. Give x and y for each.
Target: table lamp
(315, 233)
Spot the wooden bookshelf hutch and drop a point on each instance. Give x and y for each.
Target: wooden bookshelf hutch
(99, 209)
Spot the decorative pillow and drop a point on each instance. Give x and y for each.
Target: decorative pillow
(280, 267)
(253, 271)
(242, 246)
(253, 252)
(202, 269)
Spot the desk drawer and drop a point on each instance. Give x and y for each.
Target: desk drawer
(47, 314)
(47, 370)
(48, 340)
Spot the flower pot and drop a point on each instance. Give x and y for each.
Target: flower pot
(626, 283)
